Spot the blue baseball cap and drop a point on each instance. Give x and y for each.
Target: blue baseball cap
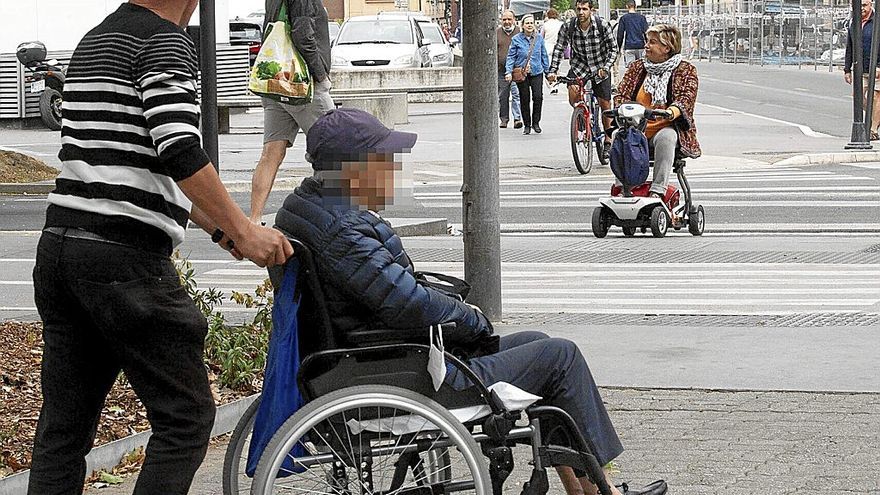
(346, 134)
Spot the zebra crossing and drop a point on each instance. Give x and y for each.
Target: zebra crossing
(770, 274)
(734, 200)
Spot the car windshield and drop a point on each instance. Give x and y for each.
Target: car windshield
(378, 31)
(432, 33)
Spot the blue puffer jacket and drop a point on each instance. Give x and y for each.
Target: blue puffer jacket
(366, 275)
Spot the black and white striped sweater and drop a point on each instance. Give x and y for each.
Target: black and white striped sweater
(129, 132)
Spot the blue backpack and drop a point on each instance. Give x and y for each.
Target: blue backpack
(630, 159)
(281, 397)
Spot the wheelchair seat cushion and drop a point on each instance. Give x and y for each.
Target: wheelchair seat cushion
(513, 398)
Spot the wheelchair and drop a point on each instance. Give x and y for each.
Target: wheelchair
(373, 423)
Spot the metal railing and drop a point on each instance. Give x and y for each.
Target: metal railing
(805, 33)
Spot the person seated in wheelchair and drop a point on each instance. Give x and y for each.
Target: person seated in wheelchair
(663, 80)
(369, 281)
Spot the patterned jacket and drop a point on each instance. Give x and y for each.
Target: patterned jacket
(681, 93)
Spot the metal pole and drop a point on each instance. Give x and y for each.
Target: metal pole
(480, 191)
(735, 32)
(751, 30)
(831, 40)
(872, 70)
(800, 38)
(816, 35)
(763, 39)
(208, 66)
(859, 136)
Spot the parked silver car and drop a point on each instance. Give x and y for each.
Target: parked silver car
(440, 49)
(380, 41)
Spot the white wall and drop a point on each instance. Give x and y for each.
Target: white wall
(60, 24)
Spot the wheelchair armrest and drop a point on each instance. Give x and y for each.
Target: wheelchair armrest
(381, 336)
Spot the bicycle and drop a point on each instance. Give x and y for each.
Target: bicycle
(585, 110)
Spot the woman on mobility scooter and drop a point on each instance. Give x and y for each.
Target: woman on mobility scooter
(663, 80)
(369, 282)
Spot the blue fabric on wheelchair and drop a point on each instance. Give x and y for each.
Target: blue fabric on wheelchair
(281, 397)
(630, 157)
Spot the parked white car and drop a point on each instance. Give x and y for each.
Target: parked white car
(440, 49)
(372, 41)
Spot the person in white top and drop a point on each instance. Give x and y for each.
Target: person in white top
(550, 30)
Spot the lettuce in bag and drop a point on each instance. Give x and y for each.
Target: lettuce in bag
(279, 71)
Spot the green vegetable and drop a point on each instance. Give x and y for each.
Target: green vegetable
(268, 70)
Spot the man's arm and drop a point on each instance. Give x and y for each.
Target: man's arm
(168, 95)
(848, 58)
(365, 270)
(304, 37)
(621, 30)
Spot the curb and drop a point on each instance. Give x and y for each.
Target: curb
(831, 158)
(108, 455)
(27, 187)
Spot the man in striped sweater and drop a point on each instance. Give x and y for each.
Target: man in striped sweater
(133, 175)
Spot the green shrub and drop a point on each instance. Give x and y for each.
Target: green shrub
(236, 354)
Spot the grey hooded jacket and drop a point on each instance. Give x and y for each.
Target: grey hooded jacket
(308, 31)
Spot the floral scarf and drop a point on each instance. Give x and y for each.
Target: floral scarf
(658, 78)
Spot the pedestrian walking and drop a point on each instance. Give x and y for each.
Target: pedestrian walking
(506, 90)
(550, 29)
(310, 33)
(133, 175)
(867, 35)
(631, 30)
(528, 53)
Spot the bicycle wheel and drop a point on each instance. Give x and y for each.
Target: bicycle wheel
(581, 136)
(372, 439)
(598, 134)
(235, 481)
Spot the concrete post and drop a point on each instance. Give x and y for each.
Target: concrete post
(208, 66)
(480, 191)
(859, 136)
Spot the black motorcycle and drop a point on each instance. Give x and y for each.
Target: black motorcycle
(45, 77)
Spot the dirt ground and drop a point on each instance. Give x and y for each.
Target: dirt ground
(21, 350)
(16, 167)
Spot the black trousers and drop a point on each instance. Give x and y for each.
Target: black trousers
(531, 99)
(556, 370)
(108, 308)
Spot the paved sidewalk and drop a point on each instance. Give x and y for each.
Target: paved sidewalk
(713, 442)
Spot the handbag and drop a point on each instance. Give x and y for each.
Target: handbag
(279, 71)
(519, 73)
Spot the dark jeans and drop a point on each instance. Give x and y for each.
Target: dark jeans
(531, 99)
(556, 370)
(505, 89)
(108, 308)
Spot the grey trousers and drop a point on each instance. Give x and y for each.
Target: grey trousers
(282, 122)
(630, 56)
(664, 144)
(556, 370)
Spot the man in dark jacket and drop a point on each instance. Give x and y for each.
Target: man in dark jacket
(505, 33)
(368, 279)
(310, 33)
(631, 30)
(865, 45)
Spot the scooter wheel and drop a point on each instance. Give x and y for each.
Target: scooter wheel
(600, 222)
(697, 221)
(50, 109)
(659, 222)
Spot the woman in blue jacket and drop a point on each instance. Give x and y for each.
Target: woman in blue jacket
(531, 90)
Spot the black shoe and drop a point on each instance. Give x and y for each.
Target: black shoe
(517, 124)
(606, 149)
(536, 128)
(656, 488)
(527, 130)
(504, 123)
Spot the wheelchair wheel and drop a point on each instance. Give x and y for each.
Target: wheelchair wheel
(235, 481)
(581, 137)
(372, 439)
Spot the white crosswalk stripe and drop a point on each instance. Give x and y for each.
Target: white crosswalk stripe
(645, 288)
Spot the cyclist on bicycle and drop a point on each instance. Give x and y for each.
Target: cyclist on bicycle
(593, 50)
